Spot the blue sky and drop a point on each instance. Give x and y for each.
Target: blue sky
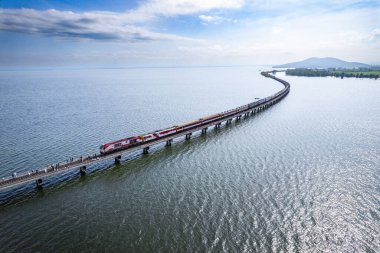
(117, 33)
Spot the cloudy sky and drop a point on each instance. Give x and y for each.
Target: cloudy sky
(118, 33)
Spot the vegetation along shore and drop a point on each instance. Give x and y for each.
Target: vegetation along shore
(358, 73)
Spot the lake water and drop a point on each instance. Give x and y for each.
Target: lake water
(302, 176)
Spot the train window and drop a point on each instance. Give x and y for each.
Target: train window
(117, 145)
(132, 141)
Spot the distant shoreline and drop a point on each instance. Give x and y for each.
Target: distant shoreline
(339, 73)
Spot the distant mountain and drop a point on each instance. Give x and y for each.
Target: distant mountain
(323, 63)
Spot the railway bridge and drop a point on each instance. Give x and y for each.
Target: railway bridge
(82, 162)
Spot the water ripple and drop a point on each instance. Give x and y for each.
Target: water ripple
(302, 176)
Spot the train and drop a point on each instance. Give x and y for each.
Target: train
(167, 132)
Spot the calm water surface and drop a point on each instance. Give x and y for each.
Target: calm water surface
(302, 176)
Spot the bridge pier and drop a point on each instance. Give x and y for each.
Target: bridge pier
(39, 184)
(81, 162)
(117, 159)
(217, 125)
(83, 170)
(169, 143)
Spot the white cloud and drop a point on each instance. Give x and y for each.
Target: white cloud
(375, 36)
(184, 7)
(206, 19)
(270, 37)
(88, 25)
(292, 5)
(349, 34)
(127, 26)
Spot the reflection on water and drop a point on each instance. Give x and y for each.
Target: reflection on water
(302, 176)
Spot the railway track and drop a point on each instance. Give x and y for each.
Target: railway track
(81, 163)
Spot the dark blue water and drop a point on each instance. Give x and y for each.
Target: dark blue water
(302, 176)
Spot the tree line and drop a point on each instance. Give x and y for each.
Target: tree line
(334, 72)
